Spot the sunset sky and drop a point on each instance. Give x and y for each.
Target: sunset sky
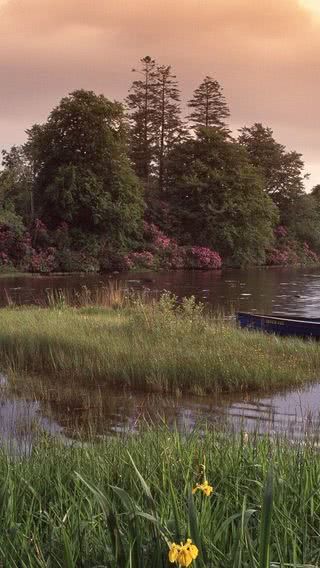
(265, 53)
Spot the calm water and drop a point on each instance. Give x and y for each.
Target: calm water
(29, 407)
(286, 290)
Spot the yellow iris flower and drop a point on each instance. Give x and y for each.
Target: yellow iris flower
(183, 554)
(204, 487)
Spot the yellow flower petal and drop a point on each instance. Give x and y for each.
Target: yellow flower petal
(184, 557)
(173, 552)
(193, 551)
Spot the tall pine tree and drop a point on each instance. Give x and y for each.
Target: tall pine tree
(168, 123)
(141, 102)
(209, 106)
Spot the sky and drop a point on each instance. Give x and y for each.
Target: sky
(265, 54)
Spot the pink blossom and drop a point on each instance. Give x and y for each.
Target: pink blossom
(203, 257)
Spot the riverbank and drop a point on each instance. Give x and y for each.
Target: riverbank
(153, 346)
(121, 502)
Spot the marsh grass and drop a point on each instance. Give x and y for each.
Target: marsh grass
(113, 295)
(156, 346)
(119, 503)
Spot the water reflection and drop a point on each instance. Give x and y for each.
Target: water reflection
(30, 407)
(285, 290)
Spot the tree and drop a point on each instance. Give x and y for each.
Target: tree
(316, 192)
(168, 124)
(17, 182)
(304, 220)
(141, 102)
(83, 175)
(217, 198)
(282, 170)
(209, 105)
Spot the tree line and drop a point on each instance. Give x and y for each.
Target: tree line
(103, 184)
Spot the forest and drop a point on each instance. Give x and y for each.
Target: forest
(106, 186)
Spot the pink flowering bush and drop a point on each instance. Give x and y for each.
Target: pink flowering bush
(177, 258)
(291, 254)
(172, 256)
(156, 236)
(289, 251)
(277, 257)
(204, 258)
(43, 261)
(144, 259)
(310, 254)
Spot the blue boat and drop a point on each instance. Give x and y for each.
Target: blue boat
(280, 324)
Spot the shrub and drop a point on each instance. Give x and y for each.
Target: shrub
(76, 261)
(40, 234)
(144, 259)
(14, 244)
(43, 261)
(204, 258)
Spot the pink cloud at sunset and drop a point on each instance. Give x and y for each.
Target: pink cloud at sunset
(264, 53)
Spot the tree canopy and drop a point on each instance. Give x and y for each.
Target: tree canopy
(218, 199)
(137, 184)
(282, 170)
(208, 104)
(82, 173)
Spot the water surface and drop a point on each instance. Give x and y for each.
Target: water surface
(31, 407)
(278, 290)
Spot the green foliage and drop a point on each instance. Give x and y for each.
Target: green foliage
(11, 219)
(141, 103)
(83, 175)
(303, 220)
(17, 183)
(154, 116)
(218, 198)
(75, 177)
(282, 170)
(209, 106)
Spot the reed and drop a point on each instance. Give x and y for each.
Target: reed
(123, 502)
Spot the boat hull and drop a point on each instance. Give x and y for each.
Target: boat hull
(286, 326)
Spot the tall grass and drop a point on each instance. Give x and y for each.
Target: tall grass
(154, 346)
(121, 503)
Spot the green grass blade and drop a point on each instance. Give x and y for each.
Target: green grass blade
(265, 528)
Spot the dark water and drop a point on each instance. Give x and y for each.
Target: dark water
(30, 407)
(285, 290)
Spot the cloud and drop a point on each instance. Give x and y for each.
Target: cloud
(265, 54)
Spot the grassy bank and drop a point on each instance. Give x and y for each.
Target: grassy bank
(153, 347)
(88, 506)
